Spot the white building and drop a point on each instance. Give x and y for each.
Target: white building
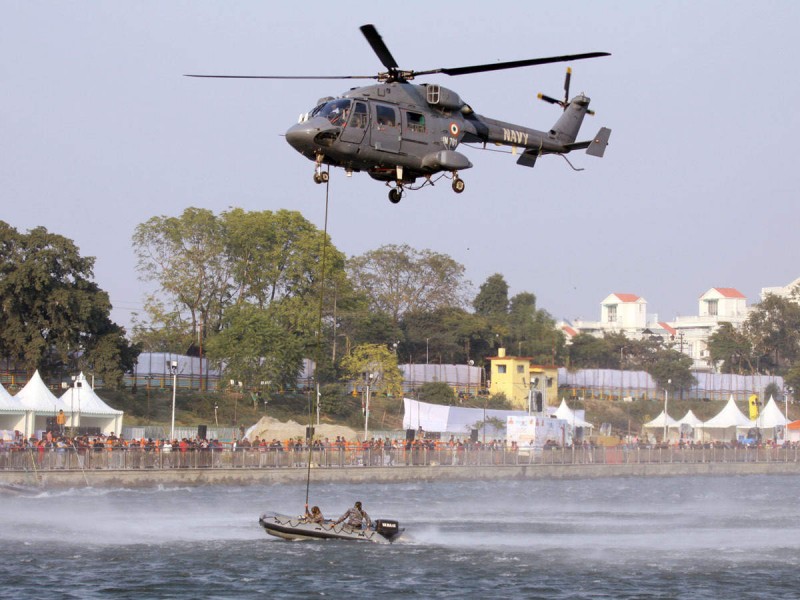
(627, 313)
(716, 306)
(786, 291)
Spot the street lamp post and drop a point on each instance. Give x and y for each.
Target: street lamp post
(216, 420)
(666, 400)
(173, 367)
(369, 379)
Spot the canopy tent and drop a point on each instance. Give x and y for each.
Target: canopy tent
(660, 422)
(87, 409)
(689, 419)
(39, 404)
(771, 416)
(723, 426)
(12, 415)
(573, 417)
(690, 425)
(772, 422)
(451, 419)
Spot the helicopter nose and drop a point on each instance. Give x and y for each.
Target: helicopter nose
(312, 134)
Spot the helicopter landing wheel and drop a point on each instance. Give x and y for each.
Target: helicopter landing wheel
(321, 177)
(458, 185)
(395, 194)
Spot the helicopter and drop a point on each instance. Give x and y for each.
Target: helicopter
(399, 132)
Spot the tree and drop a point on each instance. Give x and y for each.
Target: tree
(255, 346)
(671, 370)
(589, 352)
(532, 330)
(398, 279)
(378, 360)
(204, 264)
(52, 315)
(186, 256)
(773, 328)
(731, 349)
(436, 392)
(492, 298)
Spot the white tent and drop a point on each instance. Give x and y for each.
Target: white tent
(39, 404)
(86, 409)
(771, 416)
(12, 415)
(660, 422)
(723, 426)
(772, 422)
(573, 417)
(689, 419)
(691, 422)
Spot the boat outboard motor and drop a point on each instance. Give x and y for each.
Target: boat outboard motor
(388, 529)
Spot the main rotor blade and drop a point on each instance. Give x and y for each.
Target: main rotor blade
(285, 76)
(514, 64)
(376, 41)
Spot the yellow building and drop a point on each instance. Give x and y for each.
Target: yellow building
(520, 380)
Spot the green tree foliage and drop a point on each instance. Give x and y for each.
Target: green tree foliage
(671, 370)
(773, 328)
(244, 276)
(398, 279)
(533, 330)
(436, 392)
(492, 298)
(731, 350)
(186, 256)
(378, 360)
(53, 315)
(255, 347)
(589, 352)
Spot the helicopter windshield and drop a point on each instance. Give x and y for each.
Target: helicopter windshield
(335, 111)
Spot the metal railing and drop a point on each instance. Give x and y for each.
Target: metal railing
(71, 459)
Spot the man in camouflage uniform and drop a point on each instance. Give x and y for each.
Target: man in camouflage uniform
(356, 517)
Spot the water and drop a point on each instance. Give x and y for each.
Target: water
(681, 537)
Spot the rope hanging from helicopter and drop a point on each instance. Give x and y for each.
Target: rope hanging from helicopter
(318, 357)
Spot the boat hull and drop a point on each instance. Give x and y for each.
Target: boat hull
(295, 528)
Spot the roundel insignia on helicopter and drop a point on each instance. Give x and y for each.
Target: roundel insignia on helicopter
(454, 129)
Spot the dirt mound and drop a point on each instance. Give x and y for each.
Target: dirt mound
(269, 429)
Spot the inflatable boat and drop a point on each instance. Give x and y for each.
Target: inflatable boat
(297, 528)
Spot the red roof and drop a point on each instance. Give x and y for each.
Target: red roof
(569, 330)
(730, 292)
(672, 330)
(627, 297)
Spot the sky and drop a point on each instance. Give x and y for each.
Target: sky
(100, 131)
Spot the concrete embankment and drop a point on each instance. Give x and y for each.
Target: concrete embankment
(195, 477)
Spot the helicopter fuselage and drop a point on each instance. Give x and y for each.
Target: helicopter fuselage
(400, 131)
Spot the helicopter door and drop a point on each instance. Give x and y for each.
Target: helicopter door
(357, 125)
(385, 130)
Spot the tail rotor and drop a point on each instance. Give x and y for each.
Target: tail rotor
(565, 102)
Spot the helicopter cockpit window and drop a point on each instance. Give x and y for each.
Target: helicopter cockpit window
(359, 117)
(415, 122)
(335, 111)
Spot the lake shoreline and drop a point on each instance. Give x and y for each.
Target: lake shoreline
(108, 478)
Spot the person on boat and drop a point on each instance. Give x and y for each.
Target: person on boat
(356, 517)
(315, 516)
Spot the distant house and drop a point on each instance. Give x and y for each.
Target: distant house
(627, 313)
